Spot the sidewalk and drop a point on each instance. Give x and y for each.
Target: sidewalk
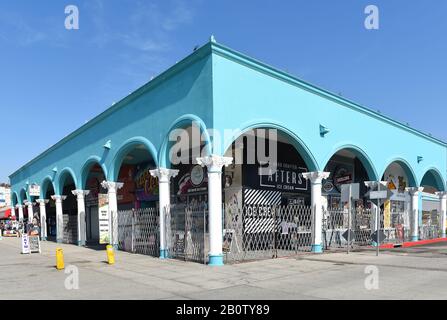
(327, 276)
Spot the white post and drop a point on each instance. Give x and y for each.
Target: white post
(214, 164)
(80, 196)
(29, 204)
(442, 212)
(164, 176)
(20, 209)
(316, 179)
(43, 218)
(59, 217)
(13, 211)
(414, 193)
(112, 187)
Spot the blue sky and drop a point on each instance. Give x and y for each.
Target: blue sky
(53, 80)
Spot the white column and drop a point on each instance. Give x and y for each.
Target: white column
(414, 226)
(315, 179)
(442, 212)
(59, 217)
(214, 164)
(29, 204)
(20, 209)
(80, 197)
(43, 218)
(13, 211)
(112, 187)
(164, 177)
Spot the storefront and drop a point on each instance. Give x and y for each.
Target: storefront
(220, 90)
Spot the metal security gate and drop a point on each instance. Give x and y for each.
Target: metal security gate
(266, 232)
(138, 231)
(398, 230)
(187, 232)
(430, 228)
(336, 225)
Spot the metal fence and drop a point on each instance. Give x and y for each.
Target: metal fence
(138, 231)
(431, 226)
(187, 232)
(264, 232)
(336, 224)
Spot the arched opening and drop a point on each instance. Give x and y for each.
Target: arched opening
(92, 177)
(348, 165)
(186, 144)
(432, 182)
(140, 189)
(14, 199)
(70, 214)
(266, 198)
(50, 209)
(267, 170)
(396, 210)
(429, 218)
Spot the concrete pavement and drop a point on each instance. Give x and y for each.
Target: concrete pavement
(413, 273)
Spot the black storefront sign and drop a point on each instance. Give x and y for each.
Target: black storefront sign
(286, 177)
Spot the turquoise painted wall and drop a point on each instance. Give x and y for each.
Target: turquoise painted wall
(223, 89)
(247, 93)
(145, 116)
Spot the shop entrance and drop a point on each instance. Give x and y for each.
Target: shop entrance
(266, 203)
(93, 180)
(50, 210)
(430, 219)
(70, 211)
(138, 210)
(397, 210)
(347, 166)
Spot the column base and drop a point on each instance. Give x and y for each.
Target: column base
(414, 238)
(215, 260)
(59, 241)
(43, 239)
(115, 247)
(317, 248)
(81, 243)
(164, 254)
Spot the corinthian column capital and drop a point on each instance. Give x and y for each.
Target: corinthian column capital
(164, 174)
(316, 177)
(413, 191)
(42, 201)
(112, 186)
(214, 163)
(80, 193)
(442, 195)
(57, 197)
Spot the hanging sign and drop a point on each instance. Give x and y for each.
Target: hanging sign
(104, 221)
(34, 190)
(287, 177)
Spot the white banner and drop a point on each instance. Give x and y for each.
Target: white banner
(34, 190)
(103, 215)
(25, 244)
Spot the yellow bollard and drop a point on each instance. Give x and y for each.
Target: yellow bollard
(110, 254)
(59, 259)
